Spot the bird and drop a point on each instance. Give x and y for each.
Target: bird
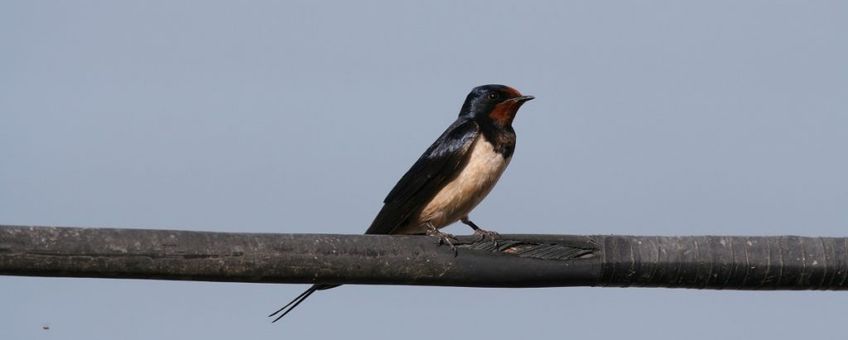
(452, 176)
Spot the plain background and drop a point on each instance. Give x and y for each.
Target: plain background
(663, 117)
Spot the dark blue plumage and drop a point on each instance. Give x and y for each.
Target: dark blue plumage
(438, 165)
(452, 176)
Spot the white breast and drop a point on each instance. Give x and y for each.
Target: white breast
(473, 183)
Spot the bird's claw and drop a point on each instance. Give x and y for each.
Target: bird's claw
(486, 234)
(444, 238)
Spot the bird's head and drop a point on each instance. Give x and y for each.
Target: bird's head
(493, 103)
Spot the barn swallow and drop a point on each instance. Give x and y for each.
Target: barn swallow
(452, 176)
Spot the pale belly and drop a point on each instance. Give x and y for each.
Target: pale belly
(464, 192)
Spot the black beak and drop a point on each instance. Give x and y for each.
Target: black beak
(522, 99)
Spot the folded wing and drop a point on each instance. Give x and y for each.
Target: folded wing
(435, 168)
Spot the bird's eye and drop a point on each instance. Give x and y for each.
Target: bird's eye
(493, 96)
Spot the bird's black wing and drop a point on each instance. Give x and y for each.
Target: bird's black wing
(436, 167)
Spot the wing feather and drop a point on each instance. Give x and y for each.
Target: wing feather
(435, 168)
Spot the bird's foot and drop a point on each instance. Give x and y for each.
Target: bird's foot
(480, 232)
(444, 238)
(486, 234)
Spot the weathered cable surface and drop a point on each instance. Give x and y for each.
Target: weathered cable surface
(726, 262)
(716, 262)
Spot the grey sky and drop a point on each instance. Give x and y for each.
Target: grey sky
(664, 117)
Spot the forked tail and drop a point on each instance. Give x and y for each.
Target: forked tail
(296, 301)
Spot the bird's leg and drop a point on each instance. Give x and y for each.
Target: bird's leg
(480, 232)
(444, 238)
